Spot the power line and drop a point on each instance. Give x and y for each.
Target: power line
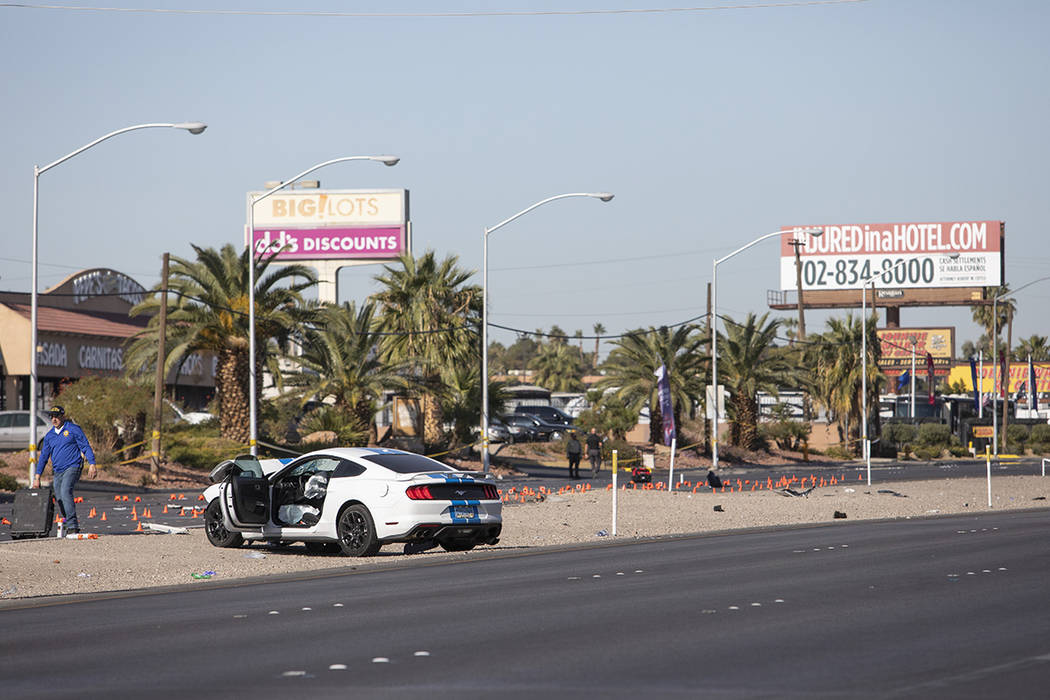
(431, 15)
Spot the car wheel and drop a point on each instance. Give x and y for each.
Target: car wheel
(322, 547)
(556, 435)
(458, 546)
(216, 530)
(357, 532)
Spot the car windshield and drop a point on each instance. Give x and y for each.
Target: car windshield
(407, 463)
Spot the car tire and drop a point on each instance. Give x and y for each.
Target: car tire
(215, 528)
(322, 547)
(457, 546)
(357, 532)
(555, 435)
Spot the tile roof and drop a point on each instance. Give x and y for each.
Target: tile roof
(80, 323)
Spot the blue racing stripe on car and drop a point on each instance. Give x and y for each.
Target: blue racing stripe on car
(466, 503)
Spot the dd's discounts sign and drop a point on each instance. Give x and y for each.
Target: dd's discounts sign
(331, 225)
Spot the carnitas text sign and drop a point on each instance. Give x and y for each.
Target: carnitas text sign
(908, 255)
(895, 345)
(331, 224)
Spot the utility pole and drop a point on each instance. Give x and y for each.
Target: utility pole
(158, 389)
(798, 286)
(1006, 373)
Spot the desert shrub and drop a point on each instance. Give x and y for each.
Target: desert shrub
(928, 451)
(1017, 433)
(197, 449)
(934, 435)
(1040, 433)
(624, 450)
(1014, 448)
(958, 451)
(8, 483)
(838, 452)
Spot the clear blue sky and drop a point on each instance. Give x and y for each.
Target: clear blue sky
(711, 127)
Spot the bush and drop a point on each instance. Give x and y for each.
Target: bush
(624, 450)
(1014, 448)
(8, 483)
(1040, 433)
(934, 435)
(958, 451)
(1015, 432)
(104, 407)
(927, 452)
(788, 434)
(899, 433)
(838, 452)
(348, 431)
(197, 449)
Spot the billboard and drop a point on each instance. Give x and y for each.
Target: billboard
(301, 226)
(1018, 377)
(909, 256)
(896, 347)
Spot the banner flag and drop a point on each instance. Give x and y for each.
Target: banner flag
(902, 380)
(663, 390)
(931, 380)
(1033, 402)
(976, 393)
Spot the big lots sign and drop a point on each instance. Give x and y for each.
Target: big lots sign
(331, 225)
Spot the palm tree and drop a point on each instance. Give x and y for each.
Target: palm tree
(210, 314)
(1036, 346)
(631, 371)
(433, 317)
(340, 361)
(558, 367)
(599, 331)
(578, 335)
(837, 369)
(749, 362)
(982, 315)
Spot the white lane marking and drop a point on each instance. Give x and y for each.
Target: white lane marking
(639, 571)
(235, 617)
(756, 605)
(421, 653)
(380, 660)
(289, 674)
(596, 576)
(337, 605)
(574, 578)
(274, 612)
(733, 607)
(307, 609)
(779, 600)
(337, 667)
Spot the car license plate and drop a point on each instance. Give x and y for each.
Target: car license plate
(464, 512)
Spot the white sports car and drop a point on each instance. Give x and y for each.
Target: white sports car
(353, 499)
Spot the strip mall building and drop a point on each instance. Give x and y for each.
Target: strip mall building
(83, 328)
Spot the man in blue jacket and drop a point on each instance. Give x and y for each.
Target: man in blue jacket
(66, 446)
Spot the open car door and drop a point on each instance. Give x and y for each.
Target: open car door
(246, 494)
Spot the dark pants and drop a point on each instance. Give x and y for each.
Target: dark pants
(574, 466)
(595, 456)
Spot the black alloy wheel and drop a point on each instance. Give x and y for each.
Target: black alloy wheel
(357, 532)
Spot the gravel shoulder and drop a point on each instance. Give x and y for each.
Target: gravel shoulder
(51, 567)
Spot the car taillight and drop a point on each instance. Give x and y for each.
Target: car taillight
(419, 493)
(491, 494)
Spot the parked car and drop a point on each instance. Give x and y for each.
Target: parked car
(538, 429)
(14, 429)
(499, 432)
(351, 499)
(521, 428)
(550, 414)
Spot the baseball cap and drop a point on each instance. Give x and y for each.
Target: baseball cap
(56, 411)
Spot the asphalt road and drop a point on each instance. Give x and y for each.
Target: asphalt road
(951, 607)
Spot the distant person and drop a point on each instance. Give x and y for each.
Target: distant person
(573, 450)
(66, 446)
(594, 451)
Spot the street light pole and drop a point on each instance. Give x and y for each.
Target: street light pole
(714, 327)
(252, 408)
(866, 445)
(995, 362)
(193, 128)
(603, 196)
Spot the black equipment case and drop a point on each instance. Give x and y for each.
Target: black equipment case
(34, 513)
